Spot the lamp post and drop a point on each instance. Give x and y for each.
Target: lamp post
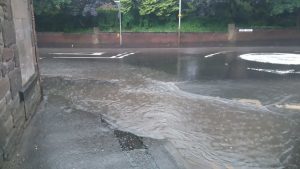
(118, 2)
(179, 22)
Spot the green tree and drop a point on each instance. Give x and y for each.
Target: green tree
(231, 10)
(49, 7)
(148, 12)
(163, 9)
(279, 7)
(130, 9)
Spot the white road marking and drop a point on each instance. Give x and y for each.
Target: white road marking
(82, 58)
(214, 54)
(87, 54)
(276, 71)
(119, 55)
(273, 58)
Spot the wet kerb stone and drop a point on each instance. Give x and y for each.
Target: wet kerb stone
(129, 141)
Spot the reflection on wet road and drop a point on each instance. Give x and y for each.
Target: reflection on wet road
(217, 111)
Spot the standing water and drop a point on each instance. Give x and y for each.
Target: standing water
(218, 111)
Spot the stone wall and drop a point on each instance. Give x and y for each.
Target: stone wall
(20, 91)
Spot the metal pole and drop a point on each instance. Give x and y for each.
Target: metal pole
(120, 13)
(179, 22)
(120, 21)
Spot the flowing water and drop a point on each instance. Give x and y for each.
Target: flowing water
(217, 111)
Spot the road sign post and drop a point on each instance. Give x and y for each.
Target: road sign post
(120, 21)
(179, 23)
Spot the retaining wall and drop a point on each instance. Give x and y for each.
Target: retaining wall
(233, 37)
(129, 39)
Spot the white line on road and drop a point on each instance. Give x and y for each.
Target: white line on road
(119, 55)
(214, 54)
(87, 54)
(82, 58)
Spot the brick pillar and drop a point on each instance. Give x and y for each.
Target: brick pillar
(95, 36)
(231, 33)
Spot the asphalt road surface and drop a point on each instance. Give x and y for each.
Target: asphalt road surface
(215, 107)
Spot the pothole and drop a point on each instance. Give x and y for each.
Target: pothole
(129, 141)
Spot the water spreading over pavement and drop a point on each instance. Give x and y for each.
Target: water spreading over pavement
(211, 123)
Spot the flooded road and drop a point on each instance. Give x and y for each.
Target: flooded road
(217, 109)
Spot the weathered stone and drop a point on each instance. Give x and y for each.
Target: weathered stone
(8, 97)
(20, 29)
(19, 116)
(6, 126)
(17, 112)
(1, 70)
(10, 143)
(4, 87)
(7, 67)
(1, 44)
(1, 38)
(8, 122)
(11, 126)
(9, 36)
(31, 100)
(20, 8)
(1, 15)
(12, 140)
(1, 157)
(16, 56)
(2, 106)
(6, 9)
(15, 81)
(10, 65)
(8, 54)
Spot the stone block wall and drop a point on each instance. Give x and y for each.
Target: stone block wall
(19, 96)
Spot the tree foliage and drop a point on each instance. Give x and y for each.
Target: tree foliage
(50, 7)
(282, 6)
(147, 13)
(163, 8)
